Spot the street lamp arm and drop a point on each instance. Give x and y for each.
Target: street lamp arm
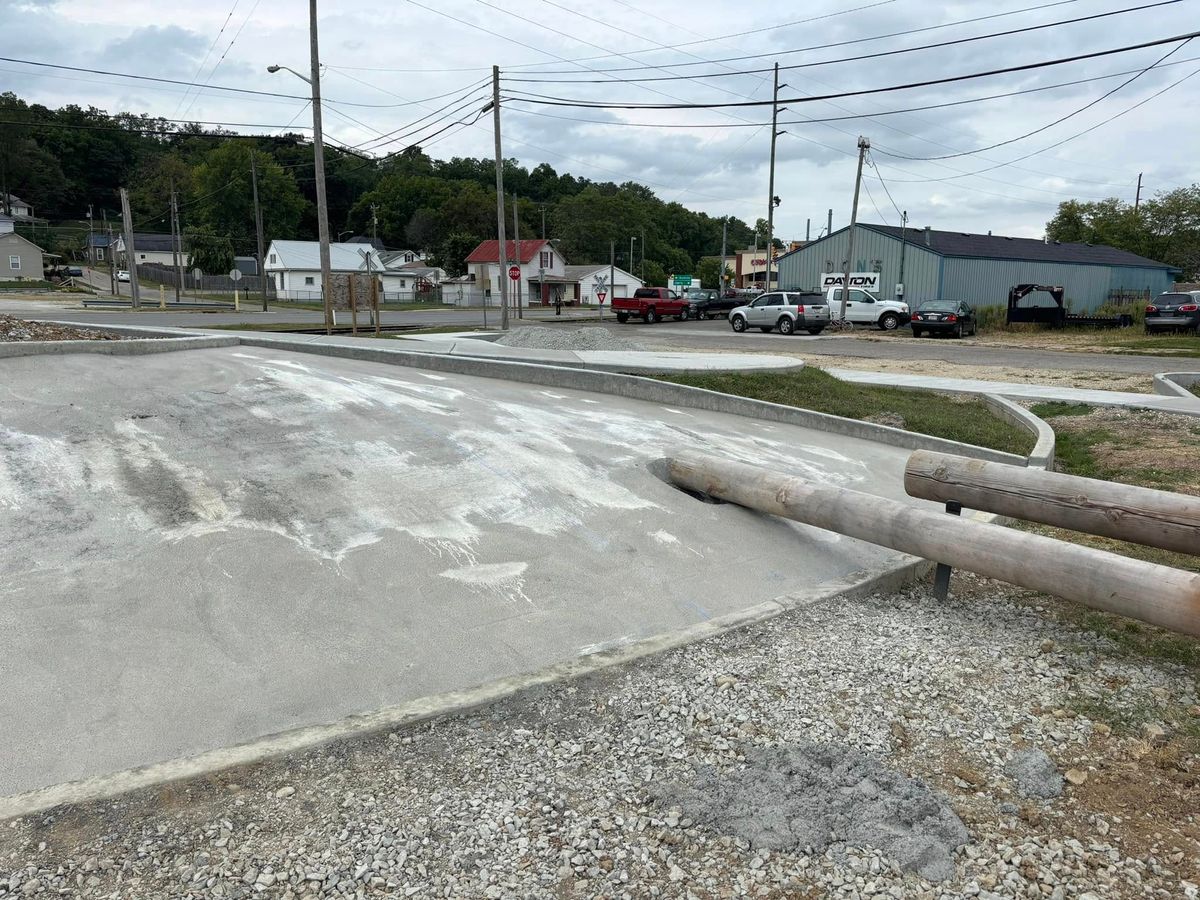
(276, 68)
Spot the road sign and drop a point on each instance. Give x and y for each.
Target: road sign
(197, 274)
(600, 295)
(683, 280)
(514, 272)
(235, 274)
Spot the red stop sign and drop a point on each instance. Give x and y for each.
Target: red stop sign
(514, 272)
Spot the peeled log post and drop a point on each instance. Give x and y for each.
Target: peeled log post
(1122, 511)
(1157, 594)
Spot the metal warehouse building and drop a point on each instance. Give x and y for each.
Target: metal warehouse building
(977, 268)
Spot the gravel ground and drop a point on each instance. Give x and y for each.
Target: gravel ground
(14, 329)
(539, 337)
(552, 793)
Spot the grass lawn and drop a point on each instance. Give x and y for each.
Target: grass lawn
(925, 412)
(364, 330)
(365, 308)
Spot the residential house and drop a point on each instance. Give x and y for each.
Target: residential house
(98, 246)
(583, 282)
(539, 267)
(13, 206)
(20, 258)
(411, 277)
(396, 258)
(148, 248)
(295, 266)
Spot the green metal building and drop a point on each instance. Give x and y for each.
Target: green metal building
(977, 268)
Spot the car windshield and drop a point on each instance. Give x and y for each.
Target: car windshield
(939, 306)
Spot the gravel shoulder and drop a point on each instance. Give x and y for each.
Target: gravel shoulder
(14, 329)
(560, 792)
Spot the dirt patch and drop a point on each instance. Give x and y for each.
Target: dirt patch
(1107, 381)
(14, 329)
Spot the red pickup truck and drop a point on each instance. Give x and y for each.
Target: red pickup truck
(651, 304)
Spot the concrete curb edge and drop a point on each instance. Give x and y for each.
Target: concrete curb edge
(1042, 455)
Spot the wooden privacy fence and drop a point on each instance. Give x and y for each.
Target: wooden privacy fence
(1153, 593)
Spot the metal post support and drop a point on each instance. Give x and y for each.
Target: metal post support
(941, 578)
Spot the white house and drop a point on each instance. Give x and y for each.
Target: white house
(14, 206)
(411, 277)
(295, 266)
(540, 267)
(148, 248)
(585, 281)
(394, 259)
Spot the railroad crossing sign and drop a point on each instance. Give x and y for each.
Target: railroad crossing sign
(683, 280)
(600, 287)
(514, 272)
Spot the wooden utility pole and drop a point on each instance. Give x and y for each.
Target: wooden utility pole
(112, 259)
(175, 242)
(771, 182)
(612, 276)
(258, 226)
(1137, 200)
(319, 167)
(130, 256)
(518, 288)
(501, 256)
(724, 234)
(863, 146)
(903, 229)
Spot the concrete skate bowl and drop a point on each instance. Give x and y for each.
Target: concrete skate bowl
(213, 546)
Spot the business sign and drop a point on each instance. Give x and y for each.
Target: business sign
(867, 281)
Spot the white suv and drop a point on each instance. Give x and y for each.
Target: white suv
(864, 309)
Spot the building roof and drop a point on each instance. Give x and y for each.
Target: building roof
(147, 242)
(98, 240)
(306, 256)
(579, 273)
(415, 271)
(489, 251)
(247, 265)
(988, 246)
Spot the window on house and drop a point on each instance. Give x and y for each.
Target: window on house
(546, 259)
(308, 279)
(14, 263)
(141, 256)
(272, 259)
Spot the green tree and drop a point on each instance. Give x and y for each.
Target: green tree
(150, 193)
(709, 272)
(453, 252)
(223, 203)
(656, 275)
(209, 252)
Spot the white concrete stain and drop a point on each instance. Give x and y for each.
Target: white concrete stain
(504, 580)
(664, 537)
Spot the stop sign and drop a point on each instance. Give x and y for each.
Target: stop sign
(514, 272)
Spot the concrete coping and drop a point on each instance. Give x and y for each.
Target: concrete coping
(1176, 384)
(1042, 455)
(113, 348)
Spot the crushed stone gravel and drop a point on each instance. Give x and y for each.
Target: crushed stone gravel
(14, 329)
(1035, 774)
(538, 337)
(551, 793)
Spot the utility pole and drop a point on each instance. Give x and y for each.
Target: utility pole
(499, 201)
(642, 273)
(903, 227)
(632, 238)
(319, 165)
(91, 252)
(612, 275)
(543, 221)
(807, 230)
(374, 224)
(724, 233)
(1137, 200)
(135, 296)
(829, 224)
(258, 226)
(771, 182)
(175, 242)
(519, 287)
(112, 259)
(863, 146)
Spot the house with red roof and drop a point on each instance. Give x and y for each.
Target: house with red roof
(539, 267)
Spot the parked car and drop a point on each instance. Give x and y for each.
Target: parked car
(789, 311)
(122, 275)
(1173, 311)
(943, 317)
(866, 309)
(650, 304)
(708, 304)
(75, 271)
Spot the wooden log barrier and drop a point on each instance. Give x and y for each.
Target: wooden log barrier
(1122, 511)
(1157, 594)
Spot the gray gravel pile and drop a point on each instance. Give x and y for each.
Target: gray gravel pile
(552, 794)
(808, 796)
(538, 337)
(14, 329)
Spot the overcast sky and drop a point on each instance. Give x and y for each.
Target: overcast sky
(391, 56)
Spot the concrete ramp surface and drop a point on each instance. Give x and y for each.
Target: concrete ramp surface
(209, 546)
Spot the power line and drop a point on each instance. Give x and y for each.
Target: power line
(207, 54)
(1048, 125)
(871, 163)
(878, 211)
(861, 57)
(232, 41)
(543, 100)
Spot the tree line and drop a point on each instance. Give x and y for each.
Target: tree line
(65, 161)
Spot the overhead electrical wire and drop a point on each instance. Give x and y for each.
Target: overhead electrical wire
(225, 53)
(853, 59)
(544, 100)
(207, 54)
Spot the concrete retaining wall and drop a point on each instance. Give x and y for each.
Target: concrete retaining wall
(1176, 384)
(113, 348)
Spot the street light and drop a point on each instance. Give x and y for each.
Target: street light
(318, 161)
(341, 233)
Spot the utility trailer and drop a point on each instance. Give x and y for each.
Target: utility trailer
(1055, 316)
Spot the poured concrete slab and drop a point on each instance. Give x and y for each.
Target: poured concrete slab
(209, 546)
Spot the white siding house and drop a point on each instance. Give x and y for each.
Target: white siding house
(20, 259)
(149, 248)
(295, 266)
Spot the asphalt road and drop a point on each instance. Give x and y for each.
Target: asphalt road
(209, 546)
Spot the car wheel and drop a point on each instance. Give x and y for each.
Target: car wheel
(974, 328)
(815, 331)
(889, 321)
(738, 324)
(622, 318)
(652, 316)
(683, 316)
(958, 332)
(786, 325)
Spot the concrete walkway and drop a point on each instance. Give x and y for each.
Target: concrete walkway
(1039, 392)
